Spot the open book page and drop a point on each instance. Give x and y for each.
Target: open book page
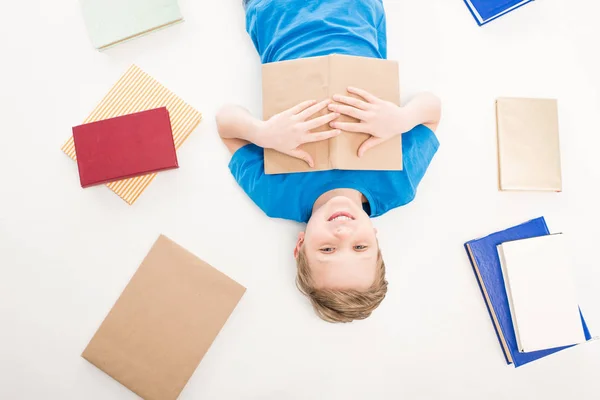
(380, 78)
(286, 84)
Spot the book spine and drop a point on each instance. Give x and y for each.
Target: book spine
(489, 306)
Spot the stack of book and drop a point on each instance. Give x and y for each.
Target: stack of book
(131, 135)
(123, 147)
(525, 278)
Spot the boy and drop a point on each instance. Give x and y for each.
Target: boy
(340, 267)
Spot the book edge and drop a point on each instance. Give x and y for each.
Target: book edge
(498, 155)
(505, 276)
(490, 307)
(139, 34)
(135, 175)
(99, 367)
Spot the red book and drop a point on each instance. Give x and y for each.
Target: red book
(124, 147)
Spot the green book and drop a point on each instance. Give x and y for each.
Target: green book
(111, 22)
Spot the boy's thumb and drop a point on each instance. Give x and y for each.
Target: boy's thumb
(301, 154)
(368, 144)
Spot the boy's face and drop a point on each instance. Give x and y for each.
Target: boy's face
(340, 245)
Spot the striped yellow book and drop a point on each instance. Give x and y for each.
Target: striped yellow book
(137, 91)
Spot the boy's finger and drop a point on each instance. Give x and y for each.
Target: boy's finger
(348, 110)
(368, 144)
(301, 154)
(351, 101)
(305, 114)
(364, 94)
(301, 107)
(318, 136)
(320, 121)
(358, 127)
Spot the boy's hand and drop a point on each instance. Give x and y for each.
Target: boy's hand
(379, 118)
(286, 131)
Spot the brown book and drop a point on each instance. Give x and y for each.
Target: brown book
(528, 144)
(288, 83)
(164, 322)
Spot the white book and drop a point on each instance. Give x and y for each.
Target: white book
(111, 22)
(541, 292)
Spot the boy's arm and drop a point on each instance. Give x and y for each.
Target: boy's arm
(383, 119)
(424, 109)
(236, 127)
(284, 132)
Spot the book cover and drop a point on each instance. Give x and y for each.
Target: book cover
(124, 147)
(137, 91)
(111, 22)
(288, 83)
(528, 144)
(485, 11)
(539, 282)
(486, 265)
(164, 322)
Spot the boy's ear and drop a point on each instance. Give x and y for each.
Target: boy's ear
(299, 243)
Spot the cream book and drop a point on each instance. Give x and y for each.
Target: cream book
(111, 22)
(528, 144)
(541, 292)
(164, 322)
(288, 83)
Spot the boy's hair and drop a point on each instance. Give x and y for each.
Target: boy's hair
(337, 305)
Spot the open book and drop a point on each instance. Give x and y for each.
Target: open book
(287, 83)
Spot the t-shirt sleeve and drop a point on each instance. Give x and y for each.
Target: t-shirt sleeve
(252, 24)
(419, 145)
(247, 167)
(276, 195)
(382, 37)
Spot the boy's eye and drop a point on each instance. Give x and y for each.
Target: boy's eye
(327, 249)
(360, 247)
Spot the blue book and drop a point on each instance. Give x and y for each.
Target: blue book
(486, 265)
(485, 11)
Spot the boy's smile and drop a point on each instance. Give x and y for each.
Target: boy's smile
(341, 216)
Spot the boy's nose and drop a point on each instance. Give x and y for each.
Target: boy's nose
(343, 232)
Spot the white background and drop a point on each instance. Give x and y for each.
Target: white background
(67, 253)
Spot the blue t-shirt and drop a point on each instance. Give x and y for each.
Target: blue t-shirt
(291, 196)
(290, 29)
